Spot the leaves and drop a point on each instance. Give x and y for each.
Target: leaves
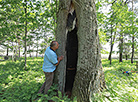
(40, 16)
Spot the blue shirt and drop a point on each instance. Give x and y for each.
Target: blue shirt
(50, 59)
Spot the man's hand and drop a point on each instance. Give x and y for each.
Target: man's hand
(60, 58)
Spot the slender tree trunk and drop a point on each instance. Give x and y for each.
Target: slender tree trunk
(15, 52)
(126, 56)
(121, 48)
(112, 44)
(37, 49)
(6, 57)
(7, 51)
(89, 77)
(12, 53)
(111, 47)
(19, 47)
(36, 53)
(25, 33)
(30, 51)
(132, 56)
(110, 55)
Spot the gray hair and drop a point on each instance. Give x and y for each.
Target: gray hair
(53, 43)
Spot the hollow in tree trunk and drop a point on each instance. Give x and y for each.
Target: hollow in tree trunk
(80, 72)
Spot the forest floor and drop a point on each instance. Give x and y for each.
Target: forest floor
(18, 85)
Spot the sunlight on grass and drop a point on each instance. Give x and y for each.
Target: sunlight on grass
(120, 87)
(19, 85)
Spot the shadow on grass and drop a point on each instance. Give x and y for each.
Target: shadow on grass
(17, 84)
(20, 91)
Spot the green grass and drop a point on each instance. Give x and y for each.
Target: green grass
(120, 87)
(18, 85)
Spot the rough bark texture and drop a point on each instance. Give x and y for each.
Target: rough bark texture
(60, 73)
(89, 76)
(89, 68)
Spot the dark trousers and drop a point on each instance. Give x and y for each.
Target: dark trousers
(48, 82)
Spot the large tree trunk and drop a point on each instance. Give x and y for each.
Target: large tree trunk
(60, 74)
(89, 68)
(89, 77)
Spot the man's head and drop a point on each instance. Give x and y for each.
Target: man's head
(54, 45)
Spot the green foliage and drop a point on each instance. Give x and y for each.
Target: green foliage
(40, 18)
(120, 87)
(18, 85)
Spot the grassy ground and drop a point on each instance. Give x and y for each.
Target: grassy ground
(120, 87)
(18, 85)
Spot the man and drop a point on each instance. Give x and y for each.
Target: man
(50, 62)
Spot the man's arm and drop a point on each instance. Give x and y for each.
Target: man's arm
(59, 59)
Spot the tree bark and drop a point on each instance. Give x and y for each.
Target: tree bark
(60, 74)
(7, 51)
(112, 44)
(25, 32)
(19, 47)
(121, 48)
(133, 36)
(30, 51)
(132, 56)
(89, 77)
(111, 48)
(126, 56)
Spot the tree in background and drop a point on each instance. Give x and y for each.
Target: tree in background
(20, 19)
(118, 25)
